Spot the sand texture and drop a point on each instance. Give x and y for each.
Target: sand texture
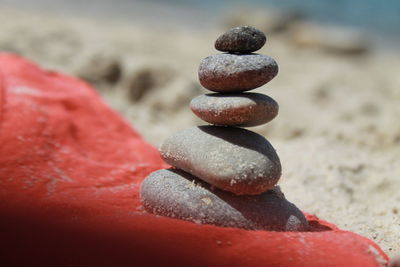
(337, 133)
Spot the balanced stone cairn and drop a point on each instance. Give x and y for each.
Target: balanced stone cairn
(222, 174)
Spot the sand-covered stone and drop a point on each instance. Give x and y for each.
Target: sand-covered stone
(244, 109)
(232, 159)
(244, 39)
(177, 194)
(236, 73)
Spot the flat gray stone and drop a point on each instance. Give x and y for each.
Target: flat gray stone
(227, 73)
(176, 194)
(244, 109)
(232, 159)
(244, 39)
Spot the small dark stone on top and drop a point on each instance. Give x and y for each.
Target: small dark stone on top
(245, 39)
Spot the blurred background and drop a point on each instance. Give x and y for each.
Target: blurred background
(338, 130)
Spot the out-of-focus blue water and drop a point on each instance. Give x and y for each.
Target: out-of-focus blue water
(375, 15)
(379, 16)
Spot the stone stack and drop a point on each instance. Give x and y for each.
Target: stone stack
(222, 174)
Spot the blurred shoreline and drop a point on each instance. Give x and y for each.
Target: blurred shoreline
(191, 15)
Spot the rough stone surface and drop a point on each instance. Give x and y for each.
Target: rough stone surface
(244, 39)
(177, 194)
(236, 73)
(232, 159)
(245, 109)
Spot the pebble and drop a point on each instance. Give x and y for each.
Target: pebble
(243, 39)
(232, 159)
(228, 73)
(176, 194)
(243, 110)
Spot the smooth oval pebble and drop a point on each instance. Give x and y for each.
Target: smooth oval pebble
(232, 159)
(244, 109)
(228, 73)
(176, 194)
(243, 39)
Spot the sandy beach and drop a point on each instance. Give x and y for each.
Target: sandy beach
(337, 132)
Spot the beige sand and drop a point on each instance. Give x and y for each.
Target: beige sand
(338, 131)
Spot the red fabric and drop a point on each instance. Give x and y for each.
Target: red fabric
(70, 173)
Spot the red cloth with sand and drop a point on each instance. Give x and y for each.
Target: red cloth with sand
(70, 174)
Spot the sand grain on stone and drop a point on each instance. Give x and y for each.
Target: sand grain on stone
(236, 72)
(177, 194)
(232, 159)
(244, 39)
(243, 110)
